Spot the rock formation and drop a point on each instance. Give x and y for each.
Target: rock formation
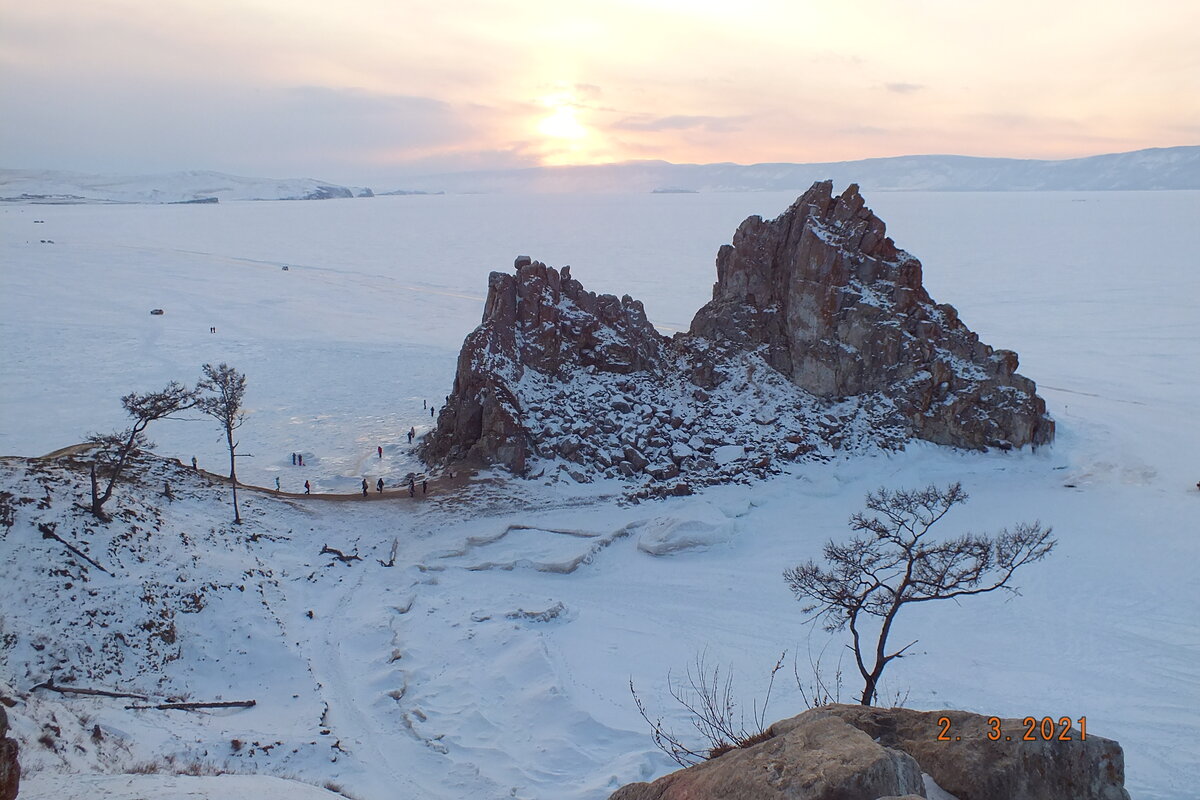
(841, 312)
(543, 322)
(10, 770)
(819, 338)
(843, 751)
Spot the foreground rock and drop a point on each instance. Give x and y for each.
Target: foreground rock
(1010, 768)
(10, 770)
(819, 338)
(815, 759)
(844, 751)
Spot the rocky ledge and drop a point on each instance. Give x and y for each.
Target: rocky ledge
(843, 751)
(820, 337)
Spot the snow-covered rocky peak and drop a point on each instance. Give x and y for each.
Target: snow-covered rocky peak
(819, 338)
(831, 303)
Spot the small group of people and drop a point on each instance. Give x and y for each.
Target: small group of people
(297, 459)
(378, 486)
(411, 480)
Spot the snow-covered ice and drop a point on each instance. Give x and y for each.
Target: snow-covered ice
(495, 658)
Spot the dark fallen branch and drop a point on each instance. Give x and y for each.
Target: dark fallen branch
(47, 529)
(195, 706)
(50, 686)
(391, 562)
(339, 555)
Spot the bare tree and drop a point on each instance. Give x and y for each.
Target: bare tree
(892, 563)
(225, 387)
(708, 698)
(114, 449)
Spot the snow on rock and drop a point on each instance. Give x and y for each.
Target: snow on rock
(728, 453)
(820, 338)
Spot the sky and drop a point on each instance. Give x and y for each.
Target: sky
(368, 91)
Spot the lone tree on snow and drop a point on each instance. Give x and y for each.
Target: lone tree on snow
(892, 563)
(115, 448)
(224, 387)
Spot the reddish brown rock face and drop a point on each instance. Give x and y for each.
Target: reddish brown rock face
(819, 337)
(842, 312)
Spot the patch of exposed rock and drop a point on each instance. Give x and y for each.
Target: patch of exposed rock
(819, 339)
(10, 770)
(844, 751)
(817, 759)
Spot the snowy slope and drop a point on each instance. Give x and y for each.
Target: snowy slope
(494, 658)
(47, 186)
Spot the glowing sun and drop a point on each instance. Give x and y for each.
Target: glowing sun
(562, 124)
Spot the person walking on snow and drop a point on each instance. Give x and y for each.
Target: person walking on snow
(307, 488)
(293, 459)
(379, 486)
(425, 486)
(380, 449)
(410, 435)
(364, 487)
(194, 467)
(277, 483)
(300, 457)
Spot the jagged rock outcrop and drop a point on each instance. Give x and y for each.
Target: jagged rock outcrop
(539, 320)
(841, 311)
(10, 770)
(819, 338)
(844, 751)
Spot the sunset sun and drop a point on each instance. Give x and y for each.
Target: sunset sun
(562, 123)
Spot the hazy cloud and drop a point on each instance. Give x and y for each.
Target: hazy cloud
(679, 122)
(864, 130)
(1017, 121)
(587, 90)
(904, 88)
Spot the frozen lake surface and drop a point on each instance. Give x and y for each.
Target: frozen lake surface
(1097, 292)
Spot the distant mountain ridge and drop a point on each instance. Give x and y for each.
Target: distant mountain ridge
(48, 186)
(1140, 170)
(1156, 168)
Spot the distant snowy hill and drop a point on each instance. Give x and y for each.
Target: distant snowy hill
(1158, 168)
(49, 186)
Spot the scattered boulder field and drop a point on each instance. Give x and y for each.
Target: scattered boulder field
(820, 338)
